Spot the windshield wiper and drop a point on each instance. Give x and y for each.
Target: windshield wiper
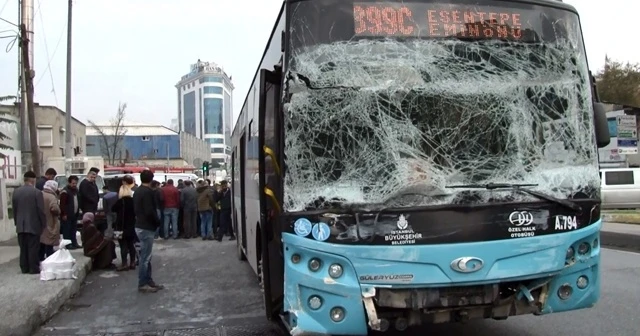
(519, 187)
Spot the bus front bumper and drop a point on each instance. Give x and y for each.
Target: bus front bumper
(383, 287)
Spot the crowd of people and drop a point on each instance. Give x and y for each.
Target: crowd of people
(42, 213)
(135, 217)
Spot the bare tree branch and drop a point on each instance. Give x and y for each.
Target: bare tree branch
(112, 135)
(5, 98)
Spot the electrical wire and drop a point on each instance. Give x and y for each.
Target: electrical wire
(15, 37)
(9, 22)
(4, 6)
(46, 48)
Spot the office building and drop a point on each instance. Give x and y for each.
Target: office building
(205, 108)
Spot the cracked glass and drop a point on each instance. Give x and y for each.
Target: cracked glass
(388, 103)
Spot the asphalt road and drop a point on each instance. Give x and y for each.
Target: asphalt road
(207, 292)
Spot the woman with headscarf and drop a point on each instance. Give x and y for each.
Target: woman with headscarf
(95, 245)
(125, 223)
(50, 236)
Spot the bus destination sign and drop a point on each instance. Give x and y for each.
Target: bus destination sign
(436, 21)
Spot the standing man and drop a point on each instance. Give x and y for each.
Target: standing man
(69, 212)
(180, 186)
(147, 221)
(224, 199)
(189, 202)
(171, 197)
(29, 218)
(88, 194)
(49, 175)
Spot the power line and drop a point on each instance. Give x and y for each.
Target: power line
(4, 6)
(9, 22)
(46, 48)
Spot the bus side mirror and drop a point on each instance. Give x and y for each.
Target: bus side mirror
(601, 125)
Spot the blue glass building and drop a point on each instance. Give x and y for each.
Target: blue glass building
(205, 107)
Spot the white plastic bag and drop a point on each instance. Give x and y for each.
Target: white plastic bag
(59, 265)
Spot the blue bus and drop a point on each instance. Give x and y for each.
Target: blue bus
(398, 163)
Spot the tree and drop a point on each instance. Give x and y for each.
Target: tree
(619, 83)
(112, 135)
(7, 121)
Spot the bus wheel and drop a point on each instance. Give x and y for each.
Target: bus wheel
(241, 255)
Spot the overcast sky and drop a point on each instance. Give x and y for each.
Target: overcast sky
(135, 51)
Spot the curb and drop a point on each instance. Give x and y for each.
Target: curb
(38, 317)
(622, 241)
(621, 218)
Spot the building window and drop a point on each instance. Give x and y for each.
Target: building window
(189, 108)
(217, 150)
(213, 116)
(211, 79)
(62, 138)
(213, 141)
(213, 89)
(45, 135)
(145, 138)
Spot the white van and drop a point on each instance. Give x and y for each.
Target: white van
(620, 188)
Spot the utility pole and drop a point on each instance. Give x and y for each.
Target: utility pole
(68, 150)
(31, 115)
(26, 34)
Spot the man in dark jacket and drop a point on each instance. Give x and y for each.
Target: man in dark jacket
(147, 221)
(224, 199)
(49, 175)
(181, 233)
(30, 220)
(189, 202)
(69, 212)
(88, 194)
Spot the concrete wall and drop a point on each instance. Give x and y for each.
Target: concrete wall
(193, 150)
(7, 228)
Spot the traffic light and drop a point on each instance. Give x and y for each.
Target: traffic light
(205, 168)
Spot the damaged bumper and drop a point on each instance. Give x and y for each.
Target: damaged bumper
(382, 287)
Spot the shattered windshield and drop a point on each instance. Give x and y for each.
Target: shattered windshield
(385, 100)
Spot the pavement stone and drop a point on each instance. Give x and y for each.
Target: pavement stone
(26, 301)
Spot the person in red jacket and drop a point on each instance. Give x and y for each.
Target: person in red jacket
(171, 205)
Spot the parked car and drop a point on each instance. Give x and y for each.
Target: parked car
(620, 188)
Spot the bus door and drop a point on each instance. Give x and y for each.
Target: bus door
(271, 175)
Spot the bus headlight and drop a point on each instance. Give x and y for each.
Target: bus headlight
(582, 282)
(314, 264)
(315, 302)
(584, 248)
(570, 253)
(565, 291)
(336, 314)
(335, 271)
(295, 258)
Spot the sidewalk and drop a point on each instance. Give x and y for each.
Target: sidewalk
(26, 301)
(620, 235)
